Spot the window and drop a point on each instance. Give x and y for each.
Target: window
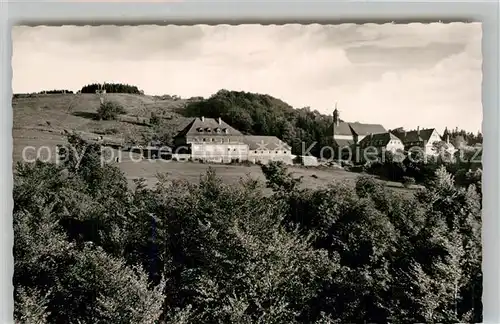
(276, 152)
(284, 152)
(204, 139)
(255, 152)
(213, 139)
(208, 130)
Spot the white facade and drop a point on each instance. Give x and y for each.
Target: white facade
(265, 156)
(219, 152)
(429, 146)
(395, 145)
(345, 137)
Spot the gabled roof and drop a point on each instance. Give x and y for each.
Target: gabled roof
(265, 143)
(415, 136)
(379, 139)
(366, 129)
(208, 126)
(344, 143)
(349, 129)
(342, 129)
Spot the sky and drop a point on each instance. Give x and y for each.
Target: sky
(397, 75)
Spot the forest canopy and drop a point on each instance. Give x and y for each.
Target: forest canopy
(90, 249)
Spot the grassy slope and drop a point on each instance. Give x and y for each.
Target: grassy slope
(38, 121)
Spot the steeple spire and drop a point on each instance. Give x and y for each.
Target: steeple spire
(336, 119)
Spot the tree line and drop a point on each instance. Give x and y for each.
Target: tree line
(55, 91)
(88, 248)
(461, 136)
(111, 88)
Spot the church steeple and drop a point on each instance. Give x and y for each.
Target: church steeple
(336, 119)
(446, 135)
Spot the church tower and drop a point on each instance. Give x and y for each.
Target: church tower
(336, 120)
(446, 135)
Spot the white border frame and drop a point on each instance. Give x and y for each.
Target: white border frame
(265, 12)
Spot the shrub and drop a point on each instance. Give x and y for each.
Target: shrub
(408, 181)
(367, 184)
(278, 178)
(110, 110)
(154, 120)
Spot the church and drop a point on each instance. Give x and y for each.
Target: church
(347, 136)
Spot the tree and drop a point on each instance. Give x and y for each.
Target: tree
(110, 110)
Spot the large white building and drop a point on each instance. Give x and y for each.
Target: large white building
(214, 140)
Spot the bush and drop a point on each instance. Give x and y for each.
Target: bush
(367, 184)
(154, 120)
(110, 110)
(408, 181)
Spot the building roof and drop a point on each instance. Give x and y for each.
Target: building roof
(415, 136)
(366, 129)
(208, 126)
(346, 128)
(379, 139)
(265, 143)
(342, 129)
(344, 143)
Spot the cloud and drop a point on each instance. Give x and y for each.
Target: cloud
(427, 74)
(115, 42)
(416, 56)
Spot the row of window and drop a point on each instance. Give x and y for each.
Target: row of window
(209, 130)
(256, 152)
(208, 148)
(262, 152)
(220, 140)
(379, 143)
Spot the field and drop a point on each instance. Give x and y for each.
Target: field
(40, 121)
(311, 177)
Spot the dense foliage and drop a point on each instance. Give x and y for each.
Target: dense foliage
(110, 110)
(55, 91)
(460, 136)
(90, 250)
(465, 165)
(111, 88)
